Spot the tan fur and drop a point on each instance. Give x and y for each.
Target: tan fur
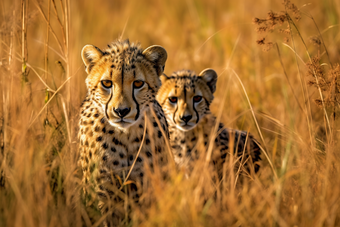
(185, 134)
(109, 142)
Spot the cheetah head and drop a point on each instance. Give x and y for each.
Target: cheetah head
(185, 97)
(123, 79)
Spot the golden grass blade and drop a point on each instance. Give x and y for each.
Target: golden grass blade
(315, 76)
(219, 116)
(285, 73)
(137, 155)
(41, 79)
(164, 136)
(52, 31)
(264, 150)
(66, 119)
(46, 104)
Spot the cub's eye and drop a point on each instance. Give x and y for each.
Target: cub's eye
(173, 99)
(107, 83)
(138, 84)
(197, 98)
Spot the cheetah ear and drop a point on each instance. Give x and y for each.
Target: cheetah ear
(158, 56)
(90, 55)
(163, 78)
(210, 77)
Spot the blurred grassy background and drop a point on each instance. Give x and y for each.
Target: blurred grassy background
(38, 141)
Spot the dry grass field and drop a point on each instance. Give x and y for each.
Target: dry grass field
(279, 78)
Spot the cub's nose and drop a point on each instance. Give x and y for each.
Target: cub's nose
(186, 118)
(122, 112)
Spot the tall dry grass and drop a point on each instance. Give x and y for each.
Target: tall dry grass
(288, 97)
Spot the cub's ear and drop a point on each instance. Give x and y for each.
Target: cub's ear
(163, 78)
(210, 77)
(90, 55)
(158, 56)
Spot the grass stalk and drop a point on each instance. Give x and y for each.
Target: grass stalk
(315, 76)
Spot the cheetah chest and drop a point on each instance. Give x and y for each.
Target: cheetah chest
(106, 150)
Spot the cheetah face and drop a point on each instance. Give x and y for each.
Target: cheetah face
(123, 79)
(185, 97)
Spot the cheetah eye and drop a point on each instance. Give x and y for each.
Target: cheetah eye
(138, 84)
(197, 98)
(107, 83)
(173, 99)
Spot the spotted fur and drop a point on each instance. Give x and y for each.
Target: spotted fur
(185, 98)
(112, 119)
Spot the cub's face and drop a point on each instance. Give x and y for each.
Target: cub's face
(123, 79)
(185, 97)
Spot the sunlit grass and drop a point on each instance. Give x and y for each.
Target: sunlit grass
(43, 84)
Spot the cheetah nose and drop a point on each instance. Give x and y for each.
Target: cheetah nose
(186, 118)
(122, 112)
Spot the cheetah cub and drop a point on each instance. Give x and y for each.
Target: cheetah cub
(122, 83)
(185, 98)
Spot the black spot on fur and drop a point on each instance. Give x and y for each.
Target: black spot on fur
(139, 159)
(131, 157)
(113, 149)
(147, 141)
(148, 153)
(116, 141)
(99, 138)
(102, 171)
(104, 130)
(121, 155)
(175, 146)
(105, 146)
(159, 134)
(116, 163)
(111, 132)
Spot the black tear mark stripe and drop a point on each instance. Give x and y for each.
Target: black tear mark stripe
(198, 117)
(137, 105)
(107, 104)
(173, 117)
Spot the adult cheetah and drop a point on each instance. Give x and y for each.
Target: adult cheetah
(185, 98)
(122, 83)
